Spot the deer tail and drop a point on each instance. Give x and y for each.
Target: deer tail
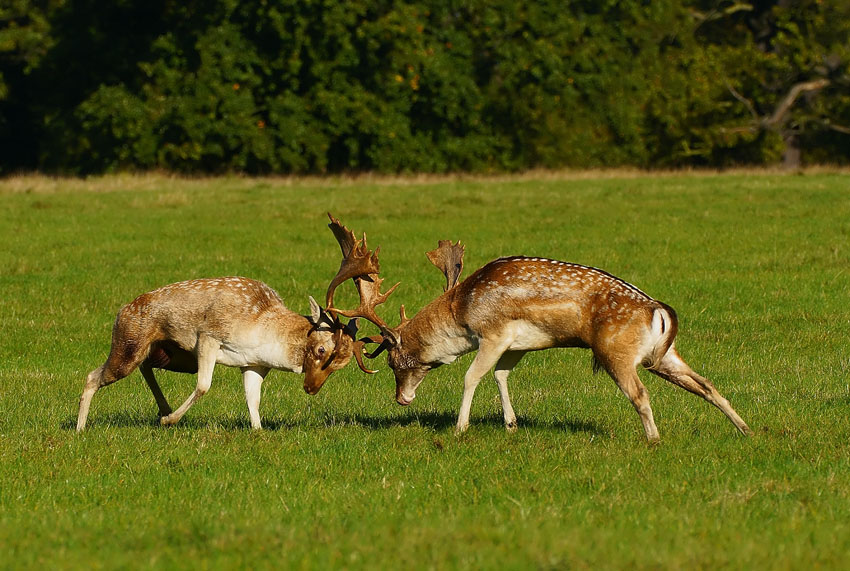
(664, 326)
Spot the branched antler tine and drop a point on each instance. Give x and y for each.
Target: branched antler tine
(448, 258)
(370, 297)
(343, 235)
(386, 294)
(351, 267)
(358, 355)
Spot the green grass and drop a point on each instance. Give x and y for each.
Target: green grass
(755, 264)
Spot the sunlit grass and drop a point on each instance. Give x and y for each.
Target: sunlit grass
(755, 264)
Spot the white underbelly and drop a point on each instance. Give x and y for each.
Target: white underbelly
(259, 356)
(528, 337)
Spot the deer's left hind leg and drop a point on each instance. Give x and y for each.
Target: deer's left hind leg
(674, 369)
(503, 368)
(207, 351)
(147, 372)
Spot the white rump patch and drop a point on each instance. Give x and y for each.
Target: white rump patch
(657, 325)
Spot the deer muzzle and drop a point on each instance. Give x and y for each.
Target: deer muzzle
(314, 380)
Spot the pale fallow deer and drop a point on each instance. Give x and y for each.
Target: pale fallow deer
(193, 325)
(517, 304)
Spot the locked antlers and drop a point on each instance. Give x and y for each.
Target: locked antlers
(362, 266)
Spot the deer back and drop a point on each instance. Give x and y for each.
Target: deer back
(223, 307)
(566, 304)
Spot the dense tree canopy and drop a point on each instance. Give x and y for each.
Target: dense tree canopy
(317, 86)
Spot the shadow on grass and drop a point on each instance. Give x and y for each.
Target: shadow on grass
(440, 421)
(437, 421)
(138, 420)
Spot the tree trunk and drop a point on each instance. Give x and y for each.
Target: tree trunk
(791, 154)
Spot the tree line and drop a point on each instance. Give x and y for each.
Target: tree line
(320, 86)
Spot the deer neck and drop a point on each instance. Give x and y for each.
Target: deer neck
(277, 339)
(434, 335)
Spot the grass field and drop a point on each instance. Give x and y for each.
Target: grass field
(757, 266)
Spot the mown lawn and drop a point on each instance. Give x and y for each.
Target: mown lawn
(757, 266)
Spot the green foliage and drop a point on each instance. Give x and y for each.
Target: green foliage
(320, 86)
(757, 54)
(24, 42)
(24, 38)
(347, 478)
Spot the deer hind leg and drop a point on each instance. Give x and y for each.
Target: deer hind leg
(252, 378)
(503, 368)
(207, 351)
(147, 373)
(625, 375)
(674, 369)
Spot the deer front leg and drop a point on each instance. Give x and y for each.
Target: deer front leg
(503, 368)
(93, 383)
(488, 355)
(207, 351)
(252, 378)
(113, 370)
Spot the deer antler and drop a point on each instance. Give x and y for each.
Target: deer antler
(343, 235)
(369, 287)
(448, 258)
(358, 354)
(357, 259)
(363, 267)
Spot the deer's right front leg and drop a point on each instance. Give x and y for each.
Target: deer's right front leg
(488, 355)
(207, 351)
(252, 378)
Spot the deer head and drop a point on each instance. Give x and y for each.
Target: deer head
(358, 264)
(407, 359)
(330, 344)
(404, 353)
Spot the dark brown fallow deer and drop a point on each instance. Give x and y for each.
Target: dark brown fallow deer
(193, 325)
(518, 304)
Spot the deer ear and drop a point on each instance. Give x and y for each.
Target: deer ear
(315, 311)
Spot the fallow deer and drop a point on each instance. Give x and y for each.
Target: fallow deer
(193, 325)
(518, 304)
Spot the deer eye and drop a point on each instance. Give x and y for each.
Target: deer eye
(320, 350)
